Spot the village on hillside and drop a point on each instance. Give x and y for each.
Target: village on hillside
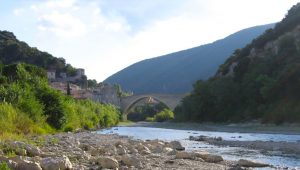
(78, 87)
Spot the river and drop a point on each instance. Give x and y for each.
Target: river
(229, 153)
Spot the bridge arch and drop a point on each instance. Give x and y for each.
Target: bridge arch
(170, 100)
(134, 102)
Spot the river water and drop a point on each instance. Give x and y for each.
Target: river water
(229, 153)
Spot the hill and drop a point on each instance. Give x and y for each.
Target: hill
(258, 82)
(176, 72)
(14, 51)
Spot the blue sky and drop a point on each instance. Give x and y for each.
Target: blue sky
(104, 36)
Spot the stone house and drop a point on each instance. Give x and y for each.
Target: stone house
(51, 74)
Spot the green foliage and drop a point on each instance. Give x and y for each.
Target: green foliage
(28, 105)
(4, 166)
(92, 83)
(164, 115)
(15, 51)
(120, 92)
(140, 113)
(264, 84)
(53, 104)
(150, 119)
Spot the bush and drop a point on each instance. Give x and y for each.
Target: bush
(4, 166)
(150, 119)
(14, 121)
(28, 105)
(164, 115)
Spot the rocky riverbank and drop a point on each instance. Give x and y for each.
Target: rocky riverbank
(86, 150)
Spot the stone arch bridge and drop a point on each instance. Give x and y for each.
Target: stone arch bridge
(170, 100)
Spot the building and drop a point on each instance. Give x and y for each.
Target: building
(63, 75)
(76, 91)
(51, 74)
(80, 72)
(106, 94)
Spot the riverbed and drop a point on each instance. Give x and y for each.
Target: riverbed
(227, 133)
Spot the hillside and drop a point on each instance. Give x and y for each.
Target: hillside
(258, 82)
(28, 105)
(176, 72)
(14, 51)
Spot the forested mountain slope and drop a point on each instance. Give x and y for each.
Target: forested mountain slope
(258, 82)
(177, 72)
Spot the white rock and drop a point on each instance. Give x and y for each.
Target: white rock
(108, 162)
(145, 152)
(248, 163)
(167, 150)
(56, 163)
(132, 150)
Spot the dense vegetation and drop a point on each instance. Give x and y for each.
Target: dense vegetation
(28, 105)
(142, 112)
(258, 82)
(14, 51)
(176, 72)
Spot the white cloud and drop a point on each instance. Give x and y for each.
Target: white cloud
(18, 12)
(105, 36)
(62, 25)
(60, 3)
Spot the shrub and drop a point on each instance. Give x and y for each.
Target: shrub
(28, 105)
(150, 119)
(4, 166)
(164, 115)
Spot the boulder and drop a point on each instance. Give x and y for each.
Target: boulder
(55, 163)
(141, 147)
(119, 143)
(12, 164)
(208, 157)
(145, 152)
(121, 151)
(30, 149)
(132, 150)
(110, 150)
(167, 150)
(131, 161)
(176, 145)
(22, 163)
(26, 165)
(205, 138)
(108, 162)
(184, 155)
(157, 149)
(156, 143)
(198, 138)
(248, 163)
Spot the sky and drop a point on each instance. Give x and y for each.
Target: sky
(105, 36)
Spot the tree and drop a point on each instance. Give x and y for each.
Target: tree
(68, 89)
